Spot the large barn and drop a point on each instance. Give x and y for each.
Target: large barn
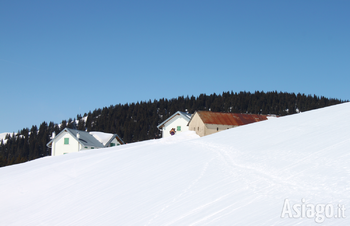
(207, 122)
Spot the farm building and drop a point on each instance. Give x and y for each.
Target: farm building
(207, 122)
(71, 140)
(176, 123)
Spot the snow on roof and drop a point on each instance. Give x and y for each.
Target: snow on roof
(102, 137)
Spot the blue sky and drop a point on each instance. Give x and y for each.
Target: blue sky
(63, 58)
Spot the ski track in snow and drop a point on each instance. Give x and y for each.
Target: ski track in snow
(207, 219)
(188, 189)
(200, 208)
(233, 167)
(267, 176)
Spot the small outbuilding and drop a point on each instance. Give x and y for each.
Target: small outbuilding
(176, 123)
(207, 122)
(72, 140)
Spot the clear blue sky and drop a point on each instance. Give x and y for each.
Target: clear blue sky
(63, 58)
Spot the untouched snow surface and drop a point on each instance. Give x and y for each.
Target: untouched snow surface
(242, 176)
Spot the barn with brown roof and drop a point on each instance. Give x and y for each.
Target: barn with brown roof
(207, 122)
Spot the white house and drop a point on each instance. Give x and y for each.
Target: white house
(176, 123)
(71, 140)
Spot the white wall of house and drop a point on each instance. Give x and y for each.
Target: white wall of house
(59, 147)
(176, 122)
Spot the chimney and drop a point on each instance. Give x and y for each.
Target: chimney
(53, 135)
(78, 135)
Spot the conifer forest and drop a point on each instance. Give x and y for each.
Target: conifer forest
(138, 121)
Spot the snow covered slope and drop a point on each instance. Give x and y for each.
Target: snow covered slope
(250, 175)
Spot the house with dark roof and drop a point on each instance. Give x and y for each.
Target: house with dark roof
(72, 140)
(176, 123)
(207, 122)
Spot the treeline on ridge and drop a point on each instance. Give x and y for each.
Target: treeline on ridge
(138, 121)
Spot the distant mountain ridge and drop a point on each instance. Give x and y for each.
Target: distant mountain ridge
(138, 121)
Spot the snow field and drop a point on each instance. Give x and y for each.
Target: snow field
(240, 176)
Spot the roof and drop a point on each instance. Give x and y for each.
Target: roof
(102, 137)
(118, 139)
(106, 138)
(235, 119)
(93, 139)
(185, 115)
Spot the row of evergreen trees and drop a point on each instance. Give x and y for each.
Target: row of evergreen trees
(138, 121)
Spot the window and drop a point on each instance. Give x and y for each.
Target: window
(66, 140)
(178, 128)
(112, 144)
(92, 148)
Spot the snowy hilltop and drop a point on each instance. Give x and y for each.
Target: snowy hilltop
(293, 170)
(3, 137)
